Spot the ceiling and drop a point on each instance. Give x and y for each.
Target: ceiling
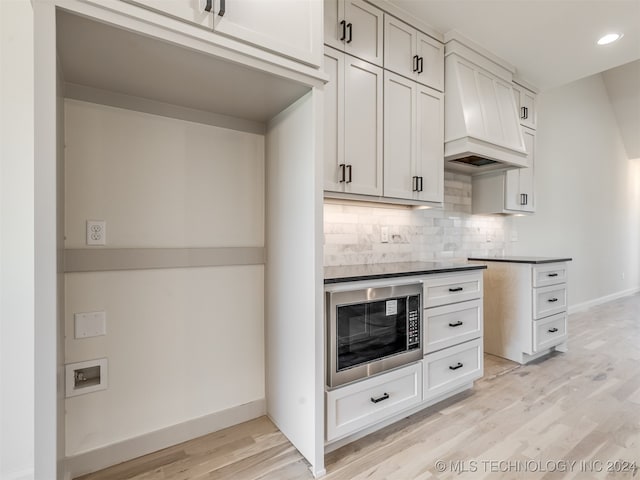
(550, 42)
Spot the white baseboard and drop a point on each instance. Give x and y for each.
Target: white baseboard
(115, 453)
(27, 474)
(580, 307)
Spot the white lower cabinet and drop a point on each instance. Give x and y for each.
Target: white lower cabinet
(451, 368)
(364, 403)
(453, 359)
(525, 307)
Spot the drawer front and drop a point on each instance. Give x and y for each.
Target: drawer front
(452, 289)
(550, 300)
(551, 274)
(452, 324)
(549, 332)
(451, 368)
(361, 404)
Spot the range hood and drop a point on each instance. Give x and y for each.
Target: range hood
(482, 129)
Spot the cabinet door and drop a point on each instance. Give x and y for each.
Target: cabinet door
(186, 10)
(333, 15)
(334, 120)
(399, 136)
(431, 53)
(430, 144)
(527, 109)
(527, 175)
(519, 193)
(364, 32)
(399, 47)
(363, 127)
(289, 27)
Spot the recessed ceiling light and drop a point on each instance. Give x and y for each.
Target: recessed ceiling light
(609, 38)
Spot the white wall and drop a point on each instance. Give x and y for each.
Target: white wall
(587, 193)
(181, 343)
(16, 241)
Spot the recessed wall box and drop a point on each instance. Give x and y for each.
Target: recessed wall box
(86, 377)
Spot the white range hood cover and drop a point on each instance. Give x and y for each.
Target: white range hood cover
(482, 129)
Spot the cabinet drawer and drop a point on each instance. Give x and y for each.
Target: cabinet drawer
(552, 274)
(361, 404)
(550, 300)
(452, 324)
(549, 332)
(450, 368)
(452, 289)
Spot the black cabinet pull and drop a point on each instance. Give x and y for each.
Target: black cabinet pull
(343, 24)
(420, 187)
(350, 28)
(415, 63)
(523, 199)
(350, 172)
(223, 9)
(455, 367)
(342, 173)
(415, 183)
(379, 399)
(551, 300)
(552, 275)
(457, 324)
(524, 113)
(420, 64)
(457, 289)
(553, 330)
(208, 6)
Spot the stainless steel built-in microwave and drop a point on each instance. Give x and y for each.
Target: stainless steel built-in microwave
(371, 329)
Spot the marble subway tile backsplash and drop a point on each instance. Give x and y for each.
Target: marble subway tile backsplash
(352, 232)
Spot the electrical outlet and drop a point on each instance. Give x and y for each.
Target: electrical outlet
(96, 232)
(384, 234)
(514, 235)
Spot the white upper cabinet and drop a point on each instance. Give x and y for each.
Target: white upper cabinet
(519, 188)
(355, 27)
(413, 140)
(291, 28)
(413, 54)
(353, 125)
(526, 101)
(510, 191)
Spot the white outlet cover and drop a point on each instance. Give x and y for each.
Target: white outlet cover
(96, 232)
(90, 324)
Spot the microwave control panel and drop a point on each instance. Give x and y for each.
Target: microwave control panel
(413, 322)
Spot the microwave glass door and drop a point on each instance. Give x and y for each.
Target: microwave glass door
(370, 331)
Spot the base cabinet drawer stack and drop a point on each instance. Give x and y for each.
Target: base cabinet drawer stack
(453, 326)
(525, 308)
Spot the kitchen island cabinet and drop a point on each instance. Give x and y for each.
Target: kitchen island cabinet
(525, 306)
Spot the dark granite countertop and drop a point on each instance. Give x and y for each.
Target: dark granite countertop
(350, 273)
(535, 260)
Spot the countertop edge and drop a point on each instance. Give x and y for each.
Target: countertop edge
(413, 273)
(508, 260)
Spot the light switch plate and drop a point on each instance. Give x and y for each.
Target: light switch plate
(90, 324)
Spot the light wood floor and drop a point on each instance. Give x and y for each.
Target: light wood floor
(582, 406)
